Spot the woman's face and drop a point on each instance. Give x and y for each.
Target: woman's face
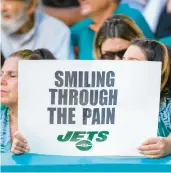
(134, 53)
(9, 82)
(114, 48)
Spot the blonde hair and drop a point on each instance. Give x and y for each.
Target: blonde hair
(26, 55)
(119, 26)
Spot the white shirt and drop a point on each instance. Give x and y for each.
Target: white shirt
(48, 32)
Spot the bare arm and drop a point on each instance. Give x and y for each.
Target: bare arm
(69, 16)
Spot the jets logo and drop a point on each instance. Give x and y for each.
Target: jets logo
(83, 139)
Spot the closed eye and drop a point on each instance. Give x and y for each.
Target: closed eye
(13, 75)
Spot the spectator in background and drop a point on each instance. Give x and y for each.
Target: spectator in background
(149, 50)
(164, 23)
(152, 12)
(24, 27)
(157, 14)
(137, 4)
(115, 36)
(97, 12)
(163, 31)
(9, 94)
(65, 10)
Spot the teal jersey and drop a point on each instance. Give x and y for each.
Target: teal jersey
(83, 36)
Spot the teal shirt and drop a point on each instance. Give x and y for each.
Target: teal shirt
(164, 124)
(166, 40)
(5, 130)
(83, 36)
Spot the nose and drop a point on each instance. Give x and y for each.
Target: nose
(3, 79)
(5, 6)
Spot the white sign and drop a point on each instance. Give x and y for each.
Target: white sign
(88, 108)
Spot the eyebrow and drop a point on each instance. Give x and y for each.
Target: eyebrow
(2, 71)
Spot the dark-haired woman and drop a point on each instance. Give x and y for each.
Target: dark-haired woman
(149, 50)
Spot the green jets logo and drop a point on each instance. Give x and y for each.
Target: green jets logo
(83, 139)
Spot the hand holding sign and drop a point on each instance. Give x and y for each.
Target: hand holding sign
(19, 144)
(156, 147)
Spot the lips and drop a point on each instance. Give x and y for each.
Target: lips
(3, 91)
(5, 16)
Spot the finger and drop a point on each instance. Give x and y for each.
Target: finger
(151, 152)
(150, 141)
(148, 147)
(19, 143)
(22, 150)
(16, 151)
(18, 136)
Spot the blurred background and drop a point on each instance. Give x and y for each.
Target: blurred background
(14, 16)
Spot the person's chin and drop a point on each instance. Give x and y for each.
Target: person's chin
(4, 101)
(85, 12)
(7, 29)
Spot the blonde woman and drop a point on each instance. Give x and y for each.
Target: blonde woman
(10, 138)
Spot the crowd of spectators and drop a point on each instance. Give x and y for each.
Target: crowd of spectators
(84, 30)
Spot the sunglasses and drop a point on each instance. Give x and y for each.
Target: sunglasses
(112, 55)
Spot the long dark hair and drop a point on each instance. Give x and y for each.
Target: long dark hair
(156, 51)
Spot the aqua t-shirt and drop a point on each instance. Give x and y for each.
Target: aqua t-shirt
(166, 40)
(83, 36)
(5, 130)
(164, 124)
